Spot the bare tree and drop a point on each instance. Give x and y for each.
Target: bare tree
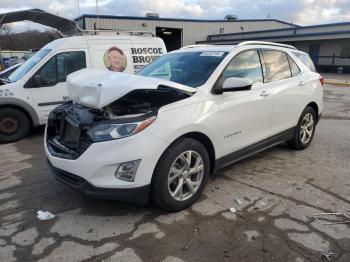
(6, 32)
(5, 29)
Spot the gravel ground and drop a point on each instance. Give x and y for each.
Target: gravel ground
(280, 189)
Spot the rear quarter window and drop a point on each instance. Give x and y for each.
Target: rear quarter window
(306, 60)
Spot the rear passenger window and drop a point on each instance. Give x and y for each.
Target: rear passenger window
(245, 65)
(277, 65)
(293, 67)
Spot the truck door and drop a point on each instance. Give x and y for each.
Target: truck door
(48, 84)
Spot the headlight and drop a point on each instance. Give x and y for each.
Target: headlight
(104, 132)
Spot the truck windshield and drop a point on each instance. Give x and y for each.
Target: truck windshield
(187, 68)
(29, 64)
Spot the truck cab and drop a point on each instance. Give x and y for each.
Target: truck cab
(39, 85)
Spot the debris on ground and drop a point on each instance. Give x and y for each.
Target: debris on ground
(233, 210)
(328, 255)
(44, 215)
(326, 218)
(237, 200)
(262, 203)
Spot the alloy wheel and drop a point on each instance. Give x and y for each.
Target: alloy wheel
(307, 128)
(185, 175)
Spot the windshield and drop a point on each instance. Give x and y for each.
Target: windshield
(187, 68)
(29, 64)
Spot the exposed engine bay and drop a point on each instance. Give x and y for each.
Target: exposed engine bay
(72, 127)
(139, 102)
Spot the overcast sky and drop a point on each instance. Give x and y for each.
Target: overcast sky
(302, 12)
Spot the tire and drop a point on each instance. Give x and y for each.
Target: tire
(14, 125)
(174, 157)
(302, 139)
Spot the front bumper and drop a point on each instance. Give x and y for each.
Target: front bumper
(138, 195)
(98, 164)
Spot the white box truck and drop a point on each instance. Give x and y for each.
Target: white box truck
(29, 94)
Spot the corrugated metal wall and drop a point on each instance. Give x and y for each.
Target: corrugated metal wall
(192, 31)
(329, 51)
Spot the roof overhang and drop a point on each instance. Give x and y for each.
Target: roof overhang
(65, 26)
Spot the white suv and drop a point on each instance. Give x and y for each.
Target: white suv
(161, 133)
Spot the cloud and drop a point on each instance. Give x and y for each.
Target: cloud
(303, 12)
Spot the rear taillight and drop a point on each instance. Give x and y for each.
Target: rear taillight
(321, 80)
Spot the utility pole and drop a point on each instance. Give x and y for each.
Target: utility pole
(78, 7)
(97, 14)
(268, 9)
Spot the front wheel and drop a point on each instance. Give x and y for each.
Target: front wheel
(181, 175)
(14, 125)
(305, 130)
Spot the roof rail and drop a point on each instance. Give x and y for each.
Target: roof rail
(265, 43)
(116, 31)
(193, 46)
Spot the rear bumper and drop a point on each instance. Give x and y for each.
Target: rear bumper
(138, 195)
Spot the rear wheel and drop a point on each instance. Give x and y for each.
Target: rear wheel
(14, 125)
(181, 175)
(305, 130)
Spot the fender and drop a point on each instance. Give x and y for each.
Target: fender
(24, 105)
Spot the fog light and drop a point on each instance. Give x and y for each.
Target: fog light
(127, 171)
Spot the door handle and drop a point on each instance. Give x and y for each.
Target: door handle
(266, 93)
(301, 83)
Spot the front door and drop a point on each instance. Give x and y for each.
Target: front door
(244, 117)
(48, 84)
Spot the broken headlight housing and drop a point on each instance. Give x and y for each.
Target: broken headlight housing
(110, 131)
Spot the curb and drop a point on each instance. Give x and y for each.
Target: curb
(337, 82)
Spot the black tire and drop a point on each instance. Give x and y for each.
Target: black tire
(159, 189)
(14, 125)
(296, 142)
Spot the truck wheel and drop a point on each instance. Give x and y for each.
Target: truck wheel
(14, 125)
(305, 130)
(181, 175)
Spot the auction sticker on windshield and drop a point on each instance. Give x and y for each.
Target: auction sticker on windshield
(212, 53)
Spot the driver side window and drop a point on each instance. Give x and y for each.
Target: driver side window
(245, 65)
(58, 67)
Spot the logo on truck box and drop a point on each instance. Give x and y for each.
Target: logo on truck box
(115, 59)
(144, 56)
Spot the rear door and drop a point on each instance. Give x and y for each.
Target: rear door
(48, 84)
(283, 78)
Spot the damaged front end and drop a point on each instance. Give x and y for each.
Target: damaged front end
(106, 106)
(73, 127)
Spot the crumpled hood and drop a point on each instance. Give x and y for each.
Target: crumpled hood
(99, 88)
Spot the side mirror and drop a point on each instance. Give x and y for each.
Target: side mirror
(232, 84)
(38, 80)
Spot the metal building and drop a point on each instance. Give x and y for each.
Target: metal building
(327, 44)
(179, 32)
